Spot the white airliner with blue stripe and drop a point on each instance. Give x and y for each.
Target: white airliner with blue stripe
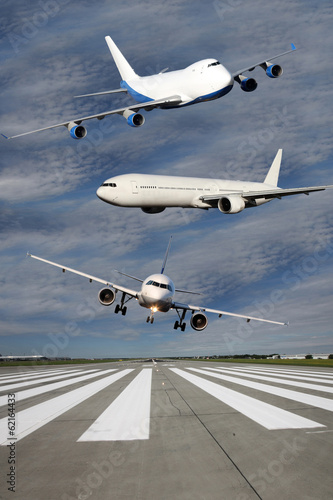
(202, 81)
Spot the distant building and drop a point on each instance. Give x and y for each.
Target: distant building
(302, 356)
(35, 357)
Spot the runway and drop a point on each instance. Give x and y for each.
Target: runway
(166, 430)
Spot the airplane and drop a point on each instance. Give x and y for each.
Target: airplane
(153, 193)
(202, 81)
(157, 294)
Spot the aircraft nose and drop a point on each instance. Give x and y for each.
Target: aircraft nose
(101, 193)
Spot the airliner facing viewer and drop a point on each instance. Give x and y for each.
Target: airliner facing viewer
(156, 294)
(201, 81)
(154, 193)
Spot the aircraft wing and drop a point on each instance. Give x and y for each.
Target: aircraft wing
(128, 291)
(189, 307)
(251, 68)
(135, 107)
(265, 193)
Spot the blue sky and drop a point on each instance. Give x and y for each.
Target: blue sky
(276, 260)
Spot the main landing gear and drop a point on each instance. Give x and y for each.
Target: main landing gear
(121, 307)
(180, 324)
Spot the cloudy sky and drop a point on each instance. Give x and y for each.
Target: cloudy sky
(275, 261)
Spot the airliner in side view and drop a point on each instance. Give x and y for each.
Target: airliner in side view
(153, 193)
(201, 81)
(157, 294)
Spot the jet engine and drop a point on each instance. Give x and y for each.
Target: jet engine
(198, 321)
(133, 119)
(106, 296)
(76, 131)
(231, 204)
(273, 70)
(246, 84)
(152, 210)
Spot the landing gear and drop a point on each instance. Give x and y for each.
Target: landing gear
(150, 319)
(121, 307)
(180, 324)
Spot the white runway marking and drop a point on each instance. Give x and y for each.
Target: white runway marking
(304, 385)
(306, 373)
(269, 416)
(301, 397)
(33, 418)
(51, 387)
(128, 417)
(282, 374)
(17, 385)
(29, 376)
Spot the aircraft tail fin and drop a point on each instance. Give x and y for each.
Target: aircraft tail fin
(272, 176)
(166, 256)
(124, 68)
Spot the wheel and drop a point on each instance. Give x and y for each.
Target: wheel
(152, 320)
(176, 325)
(124, 311)
(148, 319)
(183, 326)
(117, 308)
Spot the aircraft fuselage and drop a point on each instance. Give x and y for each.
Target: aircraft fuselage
(202, 81)
(144, 190)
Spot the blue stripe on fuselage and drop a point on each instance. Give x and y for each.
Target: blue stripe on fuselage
(136, 95)
(208, 97)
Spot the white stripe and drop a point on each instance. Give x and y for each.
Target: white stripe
(33, 418)
(303, 385)
(301, 397)
(15, 386)
(296, 370)
(288, 373)
(52, 387)
(267, 415)
(31, 375)
(128, 417)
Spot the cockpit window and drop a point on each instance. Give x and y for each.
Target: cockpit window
(216, 63)
(160, 285)
(111, 184)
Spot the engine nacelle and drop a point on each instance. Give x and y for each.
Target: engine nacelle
(198, 321)
(135, 120)
(152, 210)
(231, 204)
(106, 296)
(76, 131)
(274, 71)
(248, 84)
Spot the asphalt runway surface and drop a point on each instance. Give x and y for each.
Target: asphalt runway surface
(166, 430)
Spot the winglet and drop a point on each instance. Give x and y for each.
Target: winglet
(3, 135)
(272, 176)
(293, 47)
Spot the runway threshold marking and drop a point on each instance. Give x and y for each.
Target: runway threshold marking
(18, 385)
(33, 418)
(279, 374)
(19, 378)
(269, 416)
(36, 391)
(282, 370)
(303, 385)
(128, 417)
(301, 397)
